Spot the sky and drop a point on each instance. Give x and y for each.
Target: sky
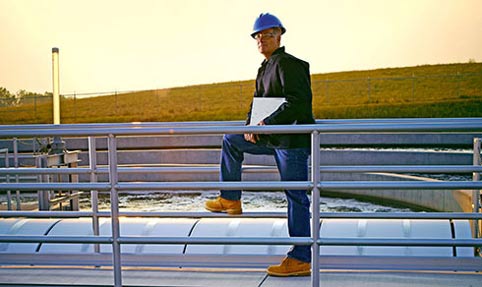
(116, 45)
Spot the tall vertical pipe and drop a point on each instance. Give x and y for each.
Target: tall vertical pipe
(58, 145)
(56, 85)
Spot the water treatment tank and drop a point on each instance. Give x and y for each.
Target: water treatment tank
(239, 227)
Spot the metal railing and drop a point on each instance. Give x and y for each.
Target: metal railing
(114, 186)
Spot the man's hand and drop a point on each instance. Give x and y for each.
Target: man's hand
(249, 138)
(253, 138)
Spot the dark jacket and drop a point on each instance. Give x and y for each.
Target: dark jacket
(284, 75)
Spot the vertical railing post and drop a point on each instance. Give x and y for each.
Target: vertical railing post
(476, 193)
(94, 193)
(16, 165)
(43, 195)
(114, 207)
(315, 209)
(7, 178)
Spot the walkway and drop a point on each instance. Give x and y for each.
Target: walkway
(76, 277)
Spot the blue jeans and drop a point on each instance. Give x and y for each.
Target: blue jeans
(292, 166)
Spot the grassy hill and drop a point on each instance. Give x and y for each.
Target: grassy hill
(449, 90)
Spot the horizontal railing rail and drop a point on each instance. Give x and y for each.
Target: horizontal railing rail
(215, 169)
(232, 123)
(281, 129)
(246, 185)
(243, 240)
(324, 215)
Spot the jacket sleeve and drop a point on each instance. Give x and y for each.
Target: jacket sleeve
(294, 78)
(248, 116)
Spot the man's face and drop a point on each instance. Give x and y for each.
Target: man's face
(268, 41)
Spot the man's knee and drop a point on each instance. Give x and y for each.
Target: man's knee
(233, 138)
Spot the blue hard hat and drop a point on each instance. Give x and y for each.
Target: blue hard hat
(266, 21)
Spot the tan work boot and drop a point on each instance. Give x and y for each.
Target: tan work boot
(290, 267)
(224, 205)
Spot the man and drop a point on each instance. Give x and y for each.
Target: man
(280, 75)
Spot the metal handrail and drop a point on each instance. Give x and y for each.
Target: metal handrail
(243, 240)
(390, 125)
(114, 186)
(324, 215)
(187, 168)
(231, 123)
(246, 185)
(281, 129)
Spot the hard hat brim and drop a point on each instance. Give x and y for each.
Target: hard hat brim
(283, 30)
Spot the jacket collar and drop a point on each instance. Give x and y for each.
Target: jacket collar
(280, 50)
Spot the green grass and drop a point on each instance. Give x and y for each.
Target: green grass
(450, 90)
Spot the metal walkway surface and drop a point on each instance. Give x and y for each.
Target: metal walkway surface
(77, 277)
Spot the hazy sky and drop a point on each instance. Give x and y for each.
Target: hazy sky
(108, 45)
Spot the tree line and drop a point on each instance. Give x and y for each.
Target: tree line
(8, 99)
